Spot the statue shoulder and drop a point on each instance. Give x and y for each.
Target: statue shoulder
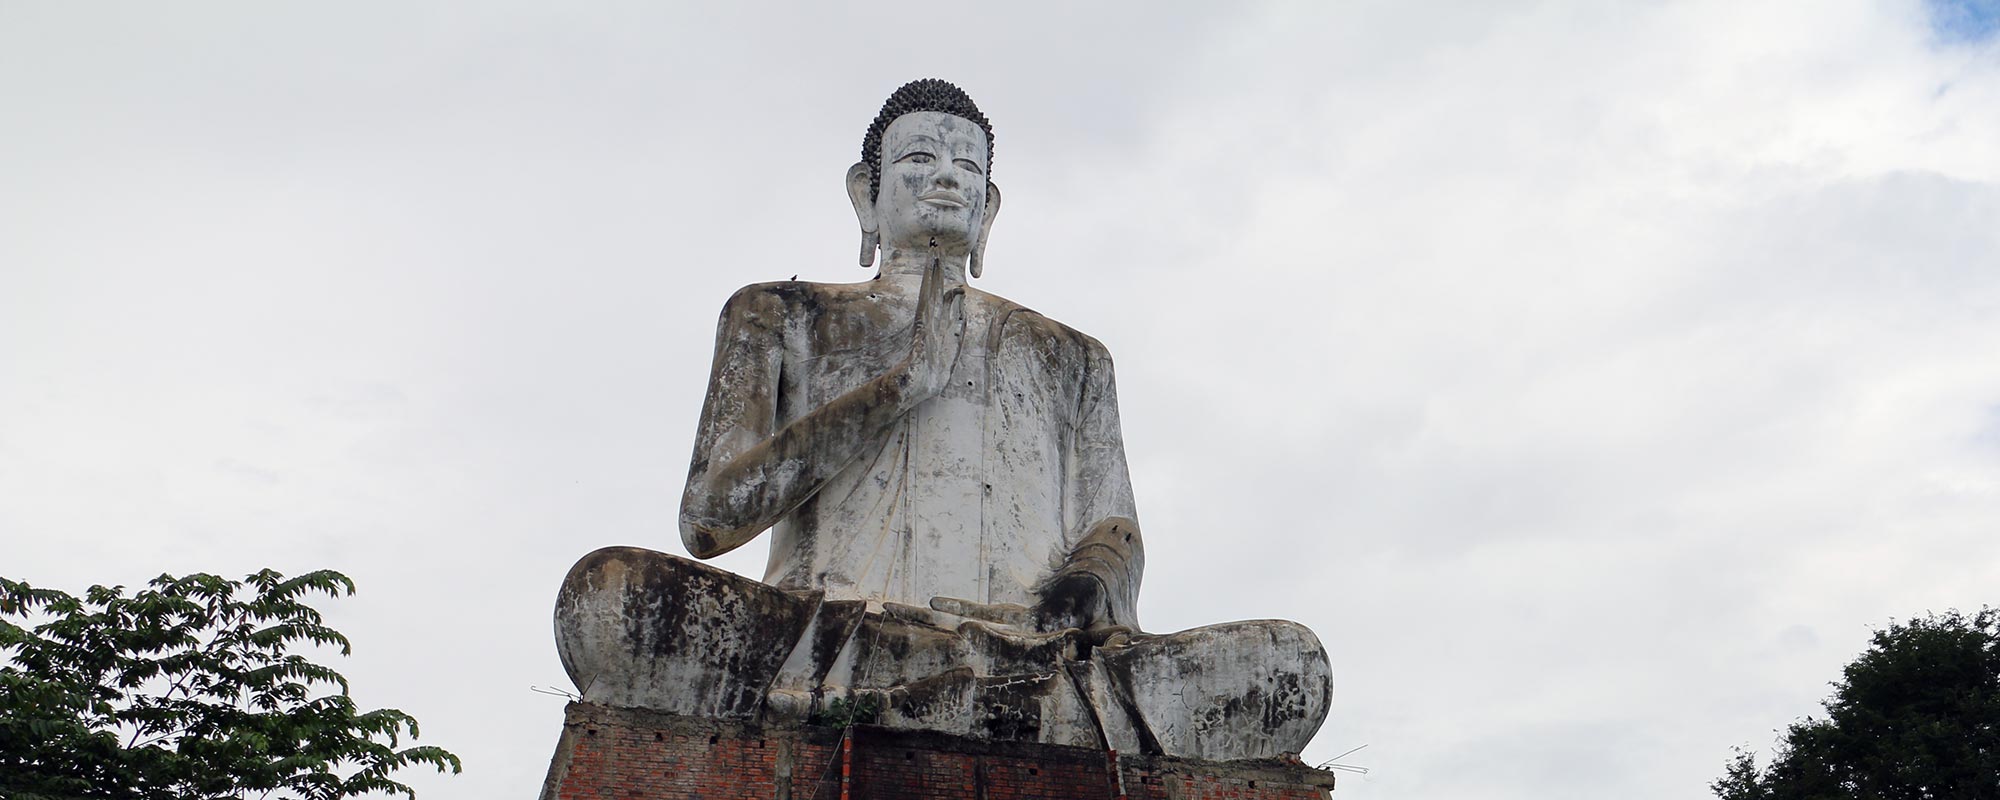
(771, 302)
(1023, 318)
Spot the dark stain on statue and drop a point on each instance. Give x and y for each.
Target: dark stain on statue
(1288, 701)
(656, 636)
(835, 626)
(670, 609)
(704, 542)
(923, 698)
(1012, 710)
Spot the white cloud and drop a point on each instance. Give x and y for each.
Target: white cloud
(1588, 376)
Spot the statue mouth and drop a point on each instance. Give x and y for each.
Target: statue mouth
(942, 198)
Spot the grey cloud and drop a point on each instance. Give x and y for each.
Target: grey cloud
(1557, 363)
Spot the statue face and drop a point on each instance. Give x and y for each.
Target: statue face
(933, 181)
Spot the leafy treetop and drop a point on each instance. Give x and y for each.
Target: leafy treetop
(1915, 716)
(187, 689)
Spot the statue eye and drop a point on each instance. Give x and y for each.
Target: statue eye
(969, 166)
(918, 157)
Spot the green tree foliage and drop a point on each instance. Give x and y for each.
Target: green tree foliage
(1915, 716)
(186, 689)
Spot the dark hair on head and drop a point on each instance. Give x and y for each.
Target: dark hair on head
(927, 94)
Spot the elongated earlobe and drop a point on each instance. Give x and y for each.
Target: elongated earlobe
(977, 266)
(860, 192)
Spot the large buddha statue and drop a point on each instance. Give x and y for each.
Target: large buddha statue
(953, 540)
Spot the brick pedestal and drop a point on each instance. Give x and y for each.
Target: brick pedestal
(627, 754)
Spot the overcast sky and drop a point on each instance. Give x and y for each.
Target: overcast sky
(1591, 376)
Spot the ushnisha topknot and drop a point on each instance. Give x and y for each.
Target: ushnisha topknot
(926, 94)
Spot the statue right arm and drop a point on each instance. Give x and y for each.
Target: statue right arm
(748, 471)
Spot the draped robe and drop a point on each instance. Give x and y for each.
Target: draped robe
(997, 490)
(982, 493)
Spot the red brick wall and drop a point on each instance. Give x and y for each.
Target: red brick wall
(1147, 784)
(628, 754)
(892, 766)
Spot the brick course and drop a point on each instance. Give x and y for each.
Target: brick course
(631, 754)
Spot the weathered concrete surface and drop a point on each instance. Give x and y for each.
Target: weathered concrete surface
(976, 493)
(634, 629)
(639, 628)
(953, 535)
(1237, 690)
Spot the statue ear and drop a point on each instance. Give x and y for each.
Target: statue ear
(978, 264)
(859, 177)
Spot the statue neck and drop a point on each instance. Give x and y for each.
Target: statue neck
(913, 261)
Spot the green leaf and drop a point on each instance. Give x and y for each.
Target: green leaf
(187, 689)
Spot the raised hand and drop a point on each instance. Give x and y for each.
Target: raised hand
(934, 342)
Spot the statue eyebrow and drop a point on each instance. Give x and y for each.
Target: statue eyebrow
(920, 140)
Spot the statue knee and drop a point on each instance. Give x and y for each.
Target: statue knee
(1256, 689)
(641, 628)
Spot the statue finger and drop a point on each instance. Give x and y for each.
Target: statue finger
(950, 605)
(933, 284)
(1109, 635)
(928, 291)
(955, 298)
(922, 616)
(1001, 613)
(925, 299)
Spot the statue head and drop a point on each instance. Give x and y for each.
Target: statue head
(923, 174)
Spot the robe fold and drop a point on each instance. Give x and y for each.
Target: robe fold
(983, 493)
